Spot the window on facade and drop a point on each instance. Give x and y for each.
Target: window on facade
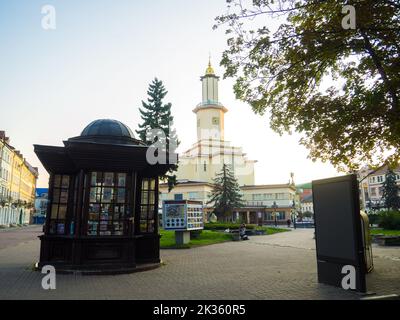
(109, 205)
(178, 196)
(205, 166)
(58, 214)
(147, 205)
(192, 195)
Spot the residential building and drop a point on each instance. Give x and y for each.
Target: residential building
(17, 185)
(371, 186)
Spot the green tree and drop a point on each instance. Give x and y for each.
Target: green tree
(157, 115)
(285, 70)
(226, 194)
(391, 190)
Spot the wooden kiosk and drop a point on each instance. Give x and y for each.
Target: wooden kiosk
(103, 202)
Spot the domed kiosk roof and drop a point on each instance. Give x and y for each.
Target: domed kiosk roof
(107, 131)
(107, 127)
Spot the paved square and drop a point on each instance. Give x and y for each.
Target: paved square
(280, 266)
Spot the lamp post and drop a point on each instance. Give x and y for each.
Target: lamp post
(274, 206)
(294, 214)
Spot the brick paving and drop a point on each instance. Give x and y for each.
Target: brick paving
(280, 266)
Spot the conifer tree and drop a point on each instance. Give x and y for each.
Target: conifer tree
(226, 194)
(157, 115)
(390, 194)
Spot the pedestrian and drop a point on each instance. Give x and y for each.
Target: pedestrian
(242, 232)
(288, 221)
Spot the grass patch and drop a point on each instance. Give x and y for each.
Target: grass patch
(385, 232)
(272, 230)
(206, 237)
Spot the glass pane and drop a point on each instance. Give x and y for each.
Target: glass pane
(121, 196)
(93, 179)
(152, 184)
(65, 182)
(151, 212)
(94, 210)
(92, 195)
(64, 196)
(143, 225)
(92, 228)
(150, 227)
(57, 180)
(107, 195)
(106, 212)
(145, 184)
(118, 228)
(121, 179)
(62, 212)
(52, 227)
(99, 178)
(145, 197)
(60, 228)
(152, 199)
(143, 213)
(54, 211)
(56, 195)
(109, 179)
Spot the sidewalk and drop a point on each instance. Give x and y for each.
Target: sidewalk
(280, 266)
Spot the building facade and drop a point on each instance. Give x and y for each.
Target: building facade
(371, 186)
(198, 166)
(206, 157)
(17, 185)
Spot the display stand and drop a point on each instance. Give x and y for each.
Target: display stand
(182, 237)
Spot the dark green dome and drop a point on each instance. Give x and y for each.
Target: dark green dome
(107, 127)
(107, 131)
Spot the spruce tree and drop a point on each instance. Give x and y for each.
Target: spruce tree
(225, 194)
(390, 194)
(157, 115)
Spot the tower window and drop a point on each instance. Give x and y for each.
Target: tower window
(205, 166)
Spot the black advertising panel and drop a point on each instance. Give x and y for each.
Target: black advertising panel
(338, 233)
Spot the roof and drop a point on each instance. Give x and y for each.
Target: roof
(307, 185)
(267, 186)
(307, 198)
(107, 131)
(188, 182)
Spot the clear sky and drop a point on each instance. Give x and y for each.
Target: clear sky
(98, 62)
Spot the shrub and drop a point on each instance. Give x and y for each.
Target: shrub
(225, 225)
(195, 234)
(389, 220)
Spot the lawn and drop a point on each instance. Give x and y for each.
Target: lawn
(206, 237)
(385, 232)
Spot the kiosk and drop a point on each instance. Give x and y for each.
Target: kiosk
(103, 200)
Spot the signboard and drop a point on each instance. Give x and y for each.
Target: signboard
(183, 215)
(338, 234)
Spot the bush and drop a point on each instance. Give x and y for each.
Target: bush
(225, 225)
(195, 234)
(389, 220)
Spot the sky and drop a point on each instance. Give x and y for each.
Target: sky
(97, 63)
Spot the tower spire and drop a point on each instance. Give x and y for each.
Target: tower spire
(209, 70)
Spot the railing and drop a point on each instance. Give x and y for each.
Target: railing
(209, 102)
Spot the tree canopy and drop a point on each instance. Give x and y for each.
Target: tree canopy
(391, 190)
(339, 88)
(157, 115)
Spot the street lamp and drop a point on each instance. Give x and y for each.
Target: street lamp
(294, 214)
(274, 206)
